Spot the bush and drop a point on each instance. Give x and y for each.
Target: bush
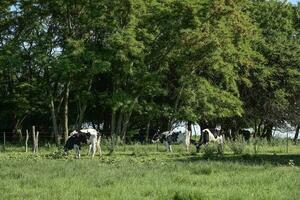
(211, 149)
(238, 146)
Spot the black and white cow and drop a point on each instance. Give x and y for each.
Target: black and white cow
(206, 137)
(84, 136)
(246, 133)
(176, 136)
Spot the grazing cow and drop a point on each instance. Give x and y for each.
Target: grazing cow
(176, 136)
(83, 136)
(207, 137)
(246, 133)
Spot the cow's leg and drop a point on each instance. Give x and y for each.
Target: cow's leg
(90, 149)
(167, 146)
(170, 148)
(77, 152)
(99, 148)
(93, 149)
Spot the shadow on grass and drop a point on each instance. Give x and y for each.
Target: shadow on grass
(258, 159)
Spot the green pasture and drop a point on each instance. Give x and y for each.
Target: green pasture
(148, 172)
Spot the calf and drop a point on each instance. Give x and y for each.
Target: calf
(176, 136)
(208, 137)
(83, 136)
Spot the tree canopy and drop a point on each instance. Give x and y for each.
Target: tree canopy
(137, 65)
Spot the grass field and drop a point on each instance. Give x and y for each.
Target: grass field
(145, 172)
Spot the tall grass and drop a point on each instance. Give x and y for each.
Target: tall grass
(142, 172)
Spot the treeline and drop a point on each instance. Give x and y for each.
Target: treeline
(141, 65)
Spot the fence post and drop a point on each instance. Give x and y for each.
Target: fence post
(33, 134)
(37, 142)
(26, 141)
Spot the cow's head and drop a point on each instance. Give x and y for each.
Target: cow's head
(158, 137)
(83, 137)
(197, 145)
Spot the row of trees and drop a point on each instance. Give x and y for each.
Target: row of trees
(136, 64)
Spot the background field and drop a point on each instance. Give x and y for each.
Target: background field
(145, 172)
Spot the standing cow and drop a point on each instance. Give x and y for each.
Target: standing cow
(84, 136)
(176, 136)
(246, 133)
(207, 137)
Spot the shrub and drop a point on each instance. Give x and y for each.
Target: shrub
(238, 146)
(210, 150)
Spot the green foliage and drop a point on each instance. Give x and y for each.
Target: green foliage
(237, 146)
(148, 62)
(212, 150)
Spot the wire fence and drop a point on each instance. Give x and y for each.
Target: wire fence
(10, 137)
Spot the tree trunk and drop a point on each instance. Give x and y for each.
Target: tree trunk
(147, 130)
(255, 128)
(268, 131)
(26, 141)
(54, 122)
(20, 136)
(66, 111)
(82, 108)
(296, 134)
(18, 126)
(119, 123)
(190, 128)
(171, 121)
(127, 119)
(259, 128)
(106, 125)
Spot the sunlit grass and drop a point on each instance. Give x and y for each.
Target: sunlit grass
(148, 172)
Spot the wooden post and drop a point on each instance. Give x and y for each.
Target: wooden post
(4, 141)
(26, 141)
(33, 134)
(36, 146)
